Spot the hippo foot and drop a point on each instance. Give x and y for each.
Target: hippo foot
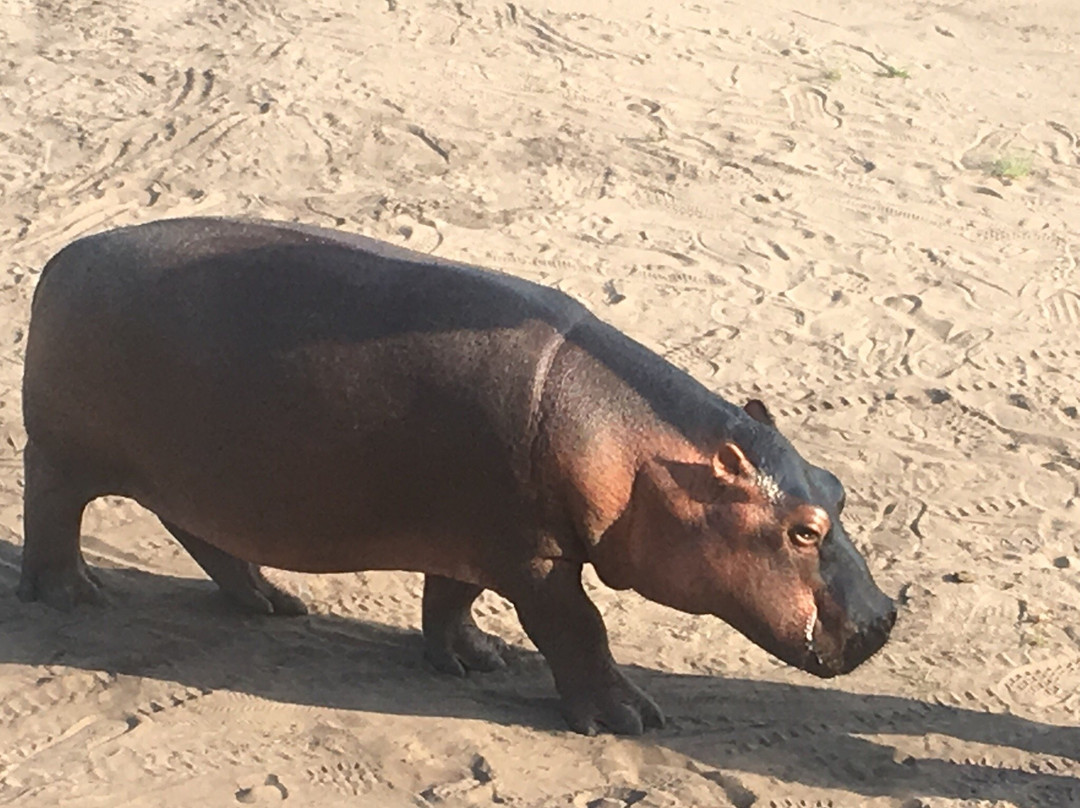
(616, 704)
(61, 588)
(452, 641)
(253, 593)
(468, 649)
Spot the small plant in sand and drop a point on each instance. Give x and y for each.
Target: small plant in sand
(830, 74)
(1011, 166)
(893, 72)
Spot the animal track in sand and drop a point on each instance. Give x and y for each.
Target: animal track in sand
(1050, 683)
(353, 778)
(1063, 308)
(810, 106)
(197, 86)
(553, 40)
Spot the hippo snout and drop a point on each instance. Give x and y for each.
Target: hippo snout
(836, 651)
(869, 639)
(853, 617)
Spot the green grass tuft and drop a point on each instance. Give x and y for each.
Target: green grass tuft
(1012, 166)
(891, 72)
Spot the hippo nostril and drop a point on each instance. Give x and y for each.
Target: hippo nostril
(885, 623)
(863, 644)
(876, 627)
(881, 624)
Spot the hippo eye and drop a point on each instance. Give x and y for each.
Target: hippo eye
(805, 536)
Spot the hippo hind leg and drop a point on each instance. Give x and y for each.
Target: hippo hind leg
(53, 568)
(453, 643)
(240, 580)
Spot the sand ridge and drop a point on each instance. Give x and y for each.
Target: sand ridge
(866, 214)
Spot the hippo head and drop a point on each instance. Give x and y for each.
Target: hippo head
(759, 543)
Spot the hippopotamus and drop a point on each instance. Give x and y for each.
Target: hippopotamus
(289, 396)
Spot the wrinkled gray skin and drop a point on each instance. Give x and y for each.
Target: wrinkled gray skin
(287, 396)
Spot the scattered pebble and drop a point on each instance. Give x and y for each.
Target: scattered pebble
(1019, 400)
(481, 769)
(272, 790)
(960, 577)
(613, 295)
(259, 795)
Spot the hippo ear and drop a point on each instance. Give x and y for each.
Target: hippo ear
(729, 463)
(757, 410)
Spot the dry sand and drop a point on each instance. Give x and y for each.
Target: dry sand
(797, 200)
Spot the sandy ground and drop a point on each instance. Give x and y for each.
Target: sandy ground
(866, 213)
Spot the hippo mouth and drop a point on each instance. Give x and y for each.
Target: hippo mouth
(814, 660)
(826, 655)
(817, 660)
(824, 648)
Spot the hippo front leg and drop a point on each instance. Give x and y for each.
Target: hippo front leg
(567, 628)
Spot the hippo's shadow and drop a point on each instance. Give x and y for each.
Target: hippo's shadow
(181, 630)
